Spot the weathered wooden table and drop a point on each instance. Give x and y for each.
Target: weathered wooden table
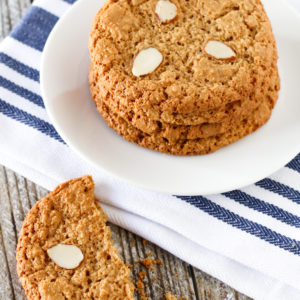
(18, 195)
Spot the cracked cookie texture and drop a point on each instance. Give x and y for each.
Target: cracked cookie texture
(70, 215)
(191, 98)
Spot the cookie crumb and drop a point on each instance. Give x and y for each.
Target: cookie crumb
(148, 263)
(142, 275)
(170, 296)
(140, 286)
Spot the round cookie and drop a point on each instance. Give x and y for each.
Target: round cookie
(70, 215)
(169, 131)
(187, 80)
(235, 110)
(195, 146)
(229, 112)
(165, 130)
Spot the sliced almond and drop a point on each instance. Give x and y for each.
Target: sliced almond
(219, 50)
(165, 11)
(66, 256)
(146, 61)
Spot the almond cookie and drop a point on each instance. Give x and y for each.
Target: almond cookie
(187, 80)
(65, 250)
(194, 146)
(236, 109)
(185, 71)
(226, 112)
(175, 132)
(169, 131)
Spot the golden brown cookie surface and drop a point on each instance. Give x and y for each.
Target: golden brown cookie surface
(187, 80)
(70, 216)
(180, 132)
(193, 146)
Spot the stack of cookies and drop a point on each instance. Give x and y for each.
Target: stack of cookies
(183, 77)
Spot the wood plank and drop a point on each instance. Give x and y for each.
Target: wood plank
(23, 5)
(9, 231)
(14, 12)
(5, 20)
(10, 13)
(209, 288)
(18, 215)
(6, 288)
(173, 275)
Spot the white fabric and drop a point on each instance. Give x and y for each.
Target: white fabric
(249, 264)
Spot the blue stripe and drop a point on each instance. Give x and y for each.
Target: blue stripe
(280, 189)
(34, 29)
(28, 119)
(264, 207)
(32, 97)
(228, 217)
(295, 164)
(70, 1)
(19, 67)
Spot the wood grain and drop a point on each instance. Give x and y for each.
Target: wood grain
(18, 195)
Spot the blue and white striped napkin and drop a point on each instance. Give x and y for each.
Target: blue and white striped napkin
(248, 238)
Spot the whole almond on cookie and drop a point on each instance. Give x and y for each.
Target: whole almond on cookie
(219, 50)
(66, 256)
(165, 11)
(146, 61)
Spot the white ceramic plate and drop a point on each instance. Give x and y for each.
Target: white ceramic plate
(64, 83)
